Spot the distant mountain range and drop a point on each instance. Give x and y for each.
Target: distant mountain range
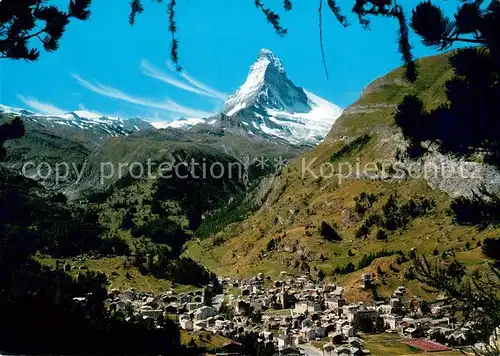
(267, 106)
(91, 128)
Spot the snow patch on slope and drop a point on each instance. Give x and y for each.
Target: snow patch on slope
(178, 124)
(82, 120)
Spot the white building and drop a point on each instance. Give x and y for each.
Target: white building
(199, 325)
(204, 313)
(284, 342)
(334, 303)
(348, 331)
(186, 324)
(391, 321)
(307, 306)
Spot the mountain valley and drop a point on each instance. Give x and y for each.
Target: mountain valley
(269, 218)
(294, 200)
(169, 185)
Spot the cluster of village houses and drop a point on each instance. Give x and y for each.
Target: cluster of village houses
(297, 310)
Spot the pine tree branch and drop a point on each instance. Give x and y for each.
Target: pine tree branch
(342, 19)
(287, 5)
(404, 44)
(320, 23)
(272, 17)
(467, 40)
(174, 52)
(33, 35)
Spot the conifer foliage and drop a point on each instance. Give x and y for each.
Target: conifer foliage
(361, 8)
(37, 20)
(11, 130)
(23, 21)
(468, 122)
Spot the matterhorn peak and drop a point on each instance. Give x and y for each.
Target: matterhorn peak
(270, 105)
(267, 86)
(267, 55)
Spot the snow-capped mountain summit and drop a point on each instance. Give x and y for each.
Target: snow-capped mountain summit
(269, 104)
(92, 128)
(267, 86)
(182, 123)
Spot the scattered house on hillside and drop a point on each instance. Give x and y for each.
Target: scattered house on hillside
(240, 306)
(366, 280)
(306, 323)
(412, 332)
(284, 341)
(307, 306)
(328, 349)
(186, 324)
(184, 298)
(354, 341)
(154, 314)
(171, 308)
(334, 302)
(391, 321)
(297, 339)
(362, 315)
(199, 325)
(337, 293)
(348, 331)
(336, 337)
(204, 313)
(191, 306)
(307, 333)
(395, 303)
(399, 291)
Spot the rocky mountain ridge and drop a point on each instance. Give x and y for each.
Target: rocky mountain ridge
(89, 128)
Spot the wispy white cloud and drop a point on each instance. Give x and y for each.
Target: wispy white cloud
(82, 107)
(213, 92)
(155, 116)
(167, 104)
(82, 110)
(153, 72)
(196, 86)
(41, 107)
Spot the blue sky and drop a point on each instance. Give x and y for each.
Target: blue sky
(106, 66)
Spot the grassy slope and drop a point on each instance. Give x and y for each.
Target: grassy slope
(203, 339)
(113, 268)
(295, 201)
(387, 344)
